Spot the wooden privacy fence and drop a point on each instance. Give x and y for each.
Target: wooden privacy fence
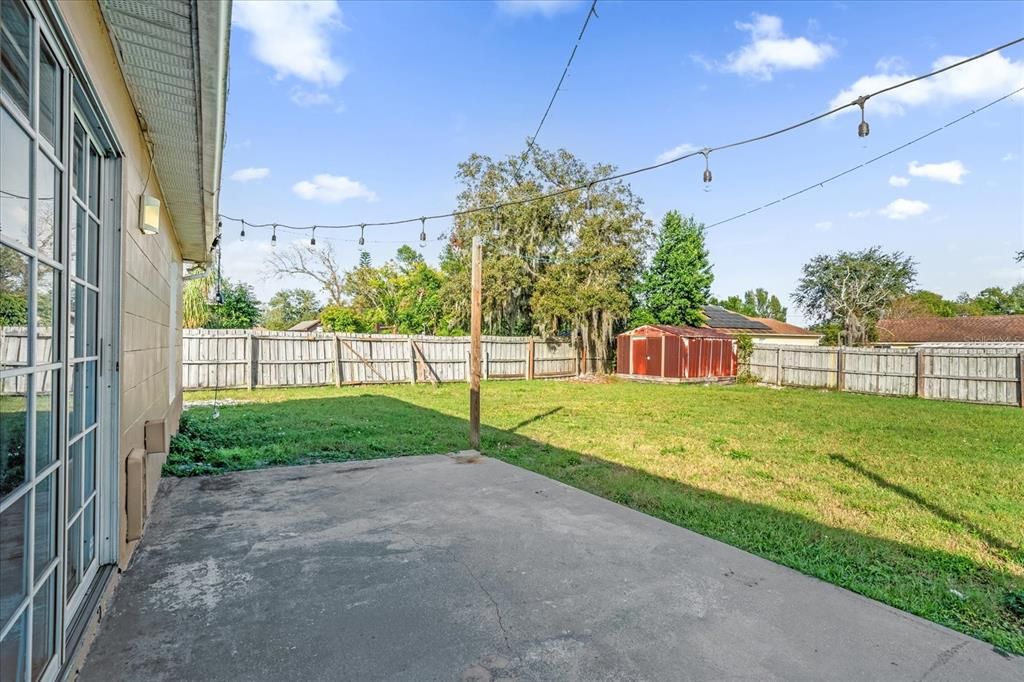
(232, 358)
(994, 376)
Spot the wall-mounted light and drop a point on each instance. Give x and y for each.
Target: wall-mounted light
(149, 214)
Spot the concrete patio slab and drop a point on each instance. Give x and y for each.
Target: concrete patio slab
(424, 568)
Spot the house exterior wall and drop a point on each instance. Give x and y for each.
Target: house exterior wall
(779, 339)
(150, 272)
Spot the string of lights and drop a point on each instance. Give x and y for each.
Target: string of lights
(863, 130)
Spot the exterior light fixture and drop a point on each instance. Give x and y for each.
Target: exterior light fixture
(863, 130)
(362, 238)
(423, 232)
(241, 237)
(312, 239)
(273, 236)
(707, 169)
(149, 214)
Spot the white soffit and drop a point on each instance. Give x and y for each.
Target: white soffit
(174, 56)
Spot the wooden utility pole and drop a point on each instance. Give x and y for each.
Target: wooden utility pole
(475, 320)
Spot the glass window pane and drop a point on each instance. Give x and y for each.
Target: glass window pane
(75, 401)
(15, 45)
(47, 206)
(92, 255)
(12, 648)
(89, 534)
(91, 333)
(44, 627)
(78, 316)
(74, 478)
(89, 463)
(14, 307)
(13, 430)
(14, 177)
(79, 239)
(73, 561)
(49, 96)
(94, 180)
(78, 162)
(46, 313)
(89, 394)
(46, 423)
(45, 540)
(13, 556)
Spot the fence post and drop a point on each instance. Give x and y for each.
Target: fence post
(337, 360)
(251, 379)
(529, 358)
(487, 365)
(920, 374)
(778, 366)
(840, 369)
(1020, 377)
(412, 361)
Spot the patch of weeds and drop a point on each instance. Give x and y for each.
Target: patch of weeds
(673, 450)
(761, 474)
(738, 454)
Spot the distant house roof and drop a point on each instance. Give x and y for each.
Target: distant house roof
(952, 329)
(306, 326)
(720, 318)
(688, 332)
(784, 328)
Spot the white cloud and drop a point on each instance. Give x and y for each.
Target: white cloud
(901, 209)
(984, 78)
(898, 181)
(770, 50)
(823, 225)
(309, 98)
(247, 174)
(856, 215)
(547, 8)
(890, 64)
(293, 37)
(333, 189)
(1009, 156)
(676, 152)
(950, 171)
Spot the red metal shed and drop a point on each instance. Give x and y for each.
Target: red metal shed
(669, 353)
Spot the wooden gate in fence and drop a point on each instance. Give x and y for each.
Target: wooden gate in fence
(229, 358)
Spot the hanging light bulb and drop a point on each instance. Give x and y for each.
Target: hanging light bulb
(707, 169)
(241, 237)
(495, 210)
(863, 130)
(312, 238)
(590, 192)
(273, 236)
(423, 232)
(362, 239)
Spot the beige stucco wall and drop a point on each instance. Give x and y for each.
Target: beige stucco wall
(778, 339)
(147, 281)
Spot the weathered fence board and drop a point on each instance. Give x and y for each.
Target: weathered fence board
(231, 358)
(968, 374)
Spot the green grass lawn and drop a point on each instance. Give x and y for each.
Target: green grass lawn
(919, 504)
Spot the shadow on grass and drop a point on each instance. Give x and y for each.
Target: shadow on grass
(935, 509)
(950, 589)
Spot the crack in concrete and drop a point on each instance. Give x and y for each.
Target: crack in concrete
(465, 566)
(943, 658)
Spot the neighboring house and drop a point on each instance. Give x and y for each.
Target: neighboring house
(759, 329)
(306, 326)
(915, 331)
(112, 131)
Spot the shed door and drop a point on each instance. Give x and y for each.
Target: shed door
(653, 368)
(638, 353)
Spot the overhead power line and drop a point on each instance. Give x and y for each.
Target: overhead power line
(706, 152)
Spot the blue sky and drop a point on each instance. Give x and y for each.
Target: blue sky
(358, 112)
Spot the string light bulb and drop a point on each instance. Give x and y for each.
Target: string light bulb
(423, 232)
(863, 130)
(362, 238)
(241, 237)
(707, 169)
(312, 237)
(590, 192)
(273, 236)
